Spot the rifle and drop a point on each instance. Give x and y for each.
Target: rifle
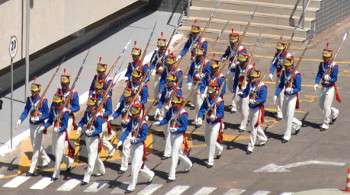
(148, 43)
(42, 97)
(220, 34)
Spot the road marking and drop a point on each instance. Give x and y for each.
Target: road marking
(205, 191)
(42, 184)
(69, 185)
(234, 191)
(286, 193)
(273, 168)
(150, 189)
(15, 182)
(261, 193)
(177, 190)
(96, 186)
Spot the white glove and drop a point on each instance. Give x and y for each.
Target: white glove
(125, 121)
(189, 86)
(41, 129)
(66, 95)
(274, 99)
(316, 86)
(327, 77)
(202, 75)
(178, 57)
(240, 92)
(56, 129)
(172, 129)
(89, 132)
(157, 112)
(19, 122)
(166, 107)
(66, 110)
(252, 101)
(120, 143)
(233, 66)
(153, 73)
(212, 117)
(289, 90)
(199, 121)
(133, 140)
(79, 130)
(157, 123)
(110, 118)
(34, 119)
(271, 76)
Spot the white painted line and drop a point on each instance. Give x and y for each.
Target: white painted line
(120, 189)
(15, 182)
(177, 190)
(205, 191)
(261, 193)
(1, 176)
(96, 186)
(150, 189)
(234, 191)
(286, 193)
(42, 184)
(69, 185)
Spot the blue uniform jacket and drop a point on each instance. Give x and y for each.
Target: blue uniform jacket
(208, 77)
(195, 67)
(30, 106)
(333, 74)
(285, 77)
(277, 62)
(239, 70)
(97, 124)
(52, 116)
(190, 43)
(108, 106)
(132, 66)
(132, 126)
(208, 103)
(162, 81)
(121, 109)
(261, 94)
(74, 102)
(156, 59)
(181, 121)
(92, 86)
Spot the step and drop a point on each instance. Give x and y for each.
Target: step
(250, 37)
(313, 3)
(245, 5)
(234, 15)
(254, 27)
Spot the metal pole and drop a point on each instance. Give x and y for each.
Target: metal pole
(27, 48)
(11, 109)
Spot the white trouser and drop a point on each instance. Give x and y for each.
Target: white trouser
(230, 78)
(59, 140)
(257, 134)
(39, 154)
(125, 153)
(106, 138)
(176, 153)
(326, 100)
(167, 147)
(137, 154)
(243, 107)
(200, 98)
(279, 104)
(70, 124)
(211, 135)
(156, 91)
(288, 108)
(93, 158)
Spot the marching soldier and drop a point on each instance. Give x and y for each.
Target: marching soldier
(327, 76)
(240, 83)
(164, 106)
(38, 109)
(122, 110)
(213, 110)
(229, 55)
(138, 86)
(106, 136)
(100, 75)
(194, 41)
(73, 102)
(136, 57)
(257, 92)
(213, 74)
(136, 133)
(171, 68)
(290, 82)
(198, 68)
(177, 120)
(277, 66)
(157, 62)
(59, 117)
(92, 132)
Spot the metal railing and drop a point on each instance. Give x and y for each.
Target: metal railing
(301, 21)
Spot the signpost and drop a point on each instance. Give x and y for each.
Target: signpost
(12, 52)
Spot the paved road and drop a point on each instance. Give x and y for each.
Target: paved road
(235, 172)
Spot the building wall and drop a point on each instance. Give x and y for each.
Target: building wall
(50, 21)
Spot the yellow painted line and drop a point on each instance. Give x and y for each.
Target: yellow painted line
(274, 83)
(272, 109)
(149, 142)
(24, 161)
